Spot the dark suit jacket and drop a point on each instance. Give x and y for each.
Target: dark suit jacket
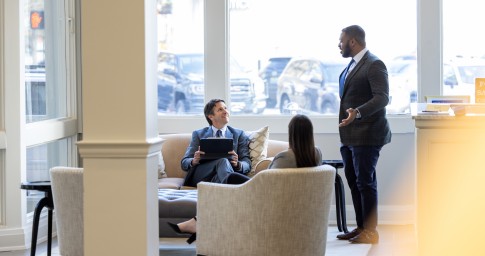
(366, 88)
(240, 146)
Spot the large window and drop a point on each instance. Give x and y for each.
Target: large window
(40, 159)
(181, 56)
(463, 51)
(264, 32)
(45, 60)
(265, 35)
(50, 89)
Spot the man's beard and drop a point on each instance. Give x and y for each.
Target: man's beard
(346, 51)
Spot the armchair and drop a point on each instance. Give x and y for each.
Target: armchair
(67, 192)
(277, 212)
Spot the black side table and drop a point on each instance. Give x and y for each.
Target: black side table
(339, 196)
(44, 186)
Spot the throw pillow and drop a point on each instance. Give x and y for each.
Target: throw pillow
(161, 165)
(258, 147)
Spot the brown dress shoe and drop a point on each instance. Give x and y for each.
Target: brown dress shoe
(351, 234)
(366, 237)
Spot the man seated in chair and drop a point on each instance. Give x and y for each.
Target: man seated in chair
(217, 115)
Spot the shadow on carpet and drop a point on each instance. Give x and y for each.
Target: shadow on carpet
(335, 247)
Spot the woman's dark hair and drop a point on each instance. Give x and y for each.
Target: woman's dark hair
(209, 109)
(300, 138)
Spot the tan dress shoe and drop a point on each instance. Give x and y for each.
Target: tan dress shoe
(366, 237)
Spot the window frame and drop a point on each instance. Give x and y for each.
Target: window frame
(21, 134)
(3, 136)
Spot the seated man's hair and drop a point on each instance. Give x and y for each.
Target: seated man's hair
(209, 109)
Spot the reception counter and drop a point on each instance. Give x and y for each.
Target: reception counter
(450, 185)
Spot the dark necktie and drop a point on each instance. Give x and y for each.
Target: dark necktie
(219, 133)
(342, 78)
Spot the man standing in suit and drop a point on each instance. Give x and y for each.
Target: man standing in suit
(217, 115)
(364, 130)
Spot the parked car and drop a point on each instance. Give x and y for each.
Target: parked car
(165, 94)
(311, 85)
(459, 76)
(458, 79)
(403, 84)
(181, 78)
(270, 74)
(35, 90)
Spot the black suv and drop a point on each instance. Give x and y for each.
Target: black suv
(270, 74)
(311, 84)
(181, 85)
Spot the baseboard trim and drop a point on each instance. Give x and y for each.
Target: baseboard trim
(19, 238)
(388, 215)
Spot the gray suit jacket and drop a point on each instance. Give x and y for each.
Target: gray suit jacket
(240, 146)
(366, 88)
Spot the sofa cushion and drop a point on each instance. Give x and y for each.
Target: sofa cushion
(170, 182)
(258, 146)
(173, 149)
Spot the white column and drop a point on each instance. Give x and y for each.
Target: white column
(120, 137)
(430, 48)
(14, 230)
(216, 49)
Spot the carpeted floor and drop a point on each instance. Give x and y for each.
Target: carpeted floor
(335, 247)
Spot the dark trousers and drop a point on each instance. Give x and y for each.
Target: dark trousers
(360, 170)
(235, 178)
(211, 171)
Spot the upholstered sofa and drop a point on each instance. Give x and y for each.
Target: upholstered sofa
(174, 146)
(178, 203)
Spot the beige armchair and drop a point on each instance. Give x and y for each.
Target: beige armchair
(277, 212)
(67, 192)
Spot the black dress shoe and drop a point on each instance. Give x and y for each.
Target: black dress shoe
(351, 234)
(192, 238)
(366, 237)
(176, 228)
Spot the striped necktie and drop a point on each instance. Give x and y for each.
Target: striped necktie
(219, 133)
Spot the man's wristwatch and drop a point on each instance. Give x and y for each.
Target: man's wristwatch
(358, 116)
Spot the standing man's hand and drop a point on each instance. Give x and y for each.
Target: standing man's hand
(352, 115)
